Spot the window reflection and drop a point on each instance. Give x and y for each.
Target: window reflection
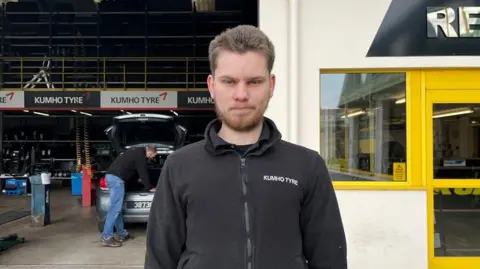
(362, 121)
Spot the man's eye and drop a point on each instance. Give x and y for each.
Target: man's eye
(226, 81)
(255, 82)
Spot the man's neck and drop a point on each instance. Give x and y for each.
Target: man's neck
(240, 138)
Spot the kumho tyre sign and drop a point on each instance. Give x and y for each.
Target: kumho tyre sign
(195, 99)
(12, 100)
(62, 100)
(108, 100)
(139, 100)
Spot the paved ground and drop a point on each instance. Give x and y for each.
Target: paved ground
(71, 241)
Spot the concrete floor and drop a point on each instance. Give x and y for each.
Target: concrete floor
(71, 241)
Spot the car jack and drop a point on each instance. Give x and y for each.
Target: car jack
(10, 241)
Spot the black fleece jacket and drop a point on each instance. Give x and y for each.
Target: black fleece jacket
(272, 208)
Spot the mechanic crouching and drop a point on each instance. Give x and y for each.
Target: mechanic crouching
(132, 162)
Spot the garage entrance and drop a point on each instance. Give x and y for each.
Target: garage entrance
(67, 69)
(453, 168)
(44, 134)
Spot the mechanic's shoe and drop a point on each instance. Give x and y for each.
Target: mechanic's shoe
(110, 242)
(125, 237)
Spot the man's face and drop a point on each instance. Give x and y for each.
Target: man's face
(241, 87)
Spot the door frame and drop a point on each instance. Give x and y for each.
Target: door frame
(455, 86)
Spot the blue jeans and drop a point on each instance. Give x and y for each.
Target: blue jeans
(114, 216)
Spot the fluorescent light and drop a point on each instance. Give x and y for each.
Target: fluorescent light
(174, 113)
(129, 113)
(400, 101)
(453, 113)
(353, 114)
(74, 111)
(85, 113)
(41, 114)
(26, 111)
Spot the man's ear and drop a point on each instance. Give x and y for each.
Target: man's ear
(272, 85)
(211, 86)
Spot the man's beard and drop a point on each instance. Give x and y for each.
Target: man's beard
(245, 123)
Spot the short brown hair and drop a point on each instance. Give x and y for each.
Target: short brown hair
(241, 39)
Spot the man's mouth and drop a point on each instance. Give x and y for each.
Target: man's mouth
(241, 108)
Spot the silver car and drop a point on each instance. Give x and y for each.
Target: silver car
(138, 130)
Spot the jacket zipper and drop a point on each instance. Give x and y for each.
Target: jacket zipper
(246, 214)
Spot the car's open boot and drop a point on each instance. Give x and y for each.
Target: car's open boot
(134, 185)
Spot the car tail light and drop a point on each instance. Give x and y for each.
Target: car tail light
(103, 184)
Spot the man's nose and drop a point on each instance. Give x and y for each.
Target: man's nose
(241, 92)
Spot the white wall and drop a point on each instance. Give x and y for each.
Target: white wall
(345, 35)
(381, 231)
(278, 109)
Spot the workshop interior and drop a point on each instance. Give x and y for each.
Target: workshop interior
(83, 81)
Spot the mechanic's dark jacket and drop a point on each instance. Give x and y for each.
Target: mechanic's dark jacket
(130, 164)
(272, 208)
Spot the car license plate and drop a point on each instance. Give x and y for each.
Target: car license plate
(138, 205)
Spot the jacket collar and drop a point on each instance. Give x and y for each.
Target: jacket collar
(217, 146)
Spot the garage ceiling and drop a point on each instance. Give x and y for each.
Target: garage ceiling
(122, 29)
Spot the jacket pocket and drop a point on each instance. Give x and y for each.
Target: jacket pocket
(187, 261)
(300, 263)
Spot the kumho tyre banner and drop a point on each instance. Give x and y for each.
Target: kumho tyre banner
(62, 100)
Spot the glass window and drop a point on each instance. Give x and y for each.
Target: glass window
(456, 222)
(362, 126)
(456, 141)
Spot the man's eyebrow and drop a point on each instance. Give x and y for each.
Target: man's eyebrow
(248, 78)
(257, 77)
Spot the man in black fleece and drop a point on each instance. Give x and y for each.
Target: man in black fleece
(131, 163)
(243, 198)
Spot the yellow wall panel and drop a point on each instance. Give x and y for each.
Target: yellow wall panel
(466, 79)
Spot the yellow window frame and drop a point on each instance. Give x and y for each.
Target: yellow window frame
(414, 106)
(419, 83)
